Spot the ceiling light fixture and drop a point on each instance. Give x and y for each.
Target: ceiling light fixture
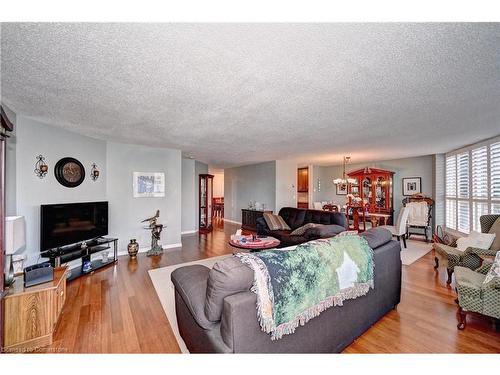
(344, 180)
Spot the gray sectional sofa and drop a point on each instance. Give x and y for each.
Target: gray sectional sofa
(216, 312)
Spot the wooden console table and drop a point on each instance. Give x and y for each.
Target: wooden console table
(249, 218)
(31, 314)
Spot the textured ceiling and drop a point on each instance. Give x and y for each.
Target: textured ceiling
(233, 94)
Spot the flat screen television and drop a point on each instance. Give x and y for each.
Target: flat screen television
(69, 223)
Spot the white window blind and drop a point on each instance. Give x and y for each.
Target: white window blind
(472, 179)
(451, 176)
(463, 175)
(480, 173)
(495, 170)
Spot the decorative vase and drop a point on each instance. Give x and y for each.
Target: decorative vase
(133, 248)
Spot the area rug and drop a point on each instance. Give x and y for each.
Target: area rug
(414, 251)
(166, 293)
(165, 288)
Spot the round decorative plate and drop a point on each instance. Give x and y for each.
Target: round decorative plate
(69, 172)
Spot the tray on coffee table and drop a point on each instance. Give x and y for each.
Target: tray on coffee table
(259, 243)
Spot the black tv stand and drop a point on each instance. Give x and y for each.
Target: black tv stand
(66, 254)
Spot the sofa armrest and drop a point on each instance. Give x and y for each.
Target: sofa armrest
(477, 251)
(239, 322)
(191, 284)
(323, 231)
(262, 227)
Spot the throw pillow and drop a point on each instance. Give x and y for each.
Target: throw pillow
(494, 270)
(477, 240)
(275, 222)
(495, 228)
(301, 230)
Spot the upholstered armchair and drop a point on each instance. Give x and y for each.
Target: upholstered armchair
(451, 257)
(474, 295)
(420, 215)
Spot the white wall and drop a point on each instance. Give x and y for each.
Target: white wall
(35, 138)
(439, 189)
(116, 163)
(125, 211)
(286, 184)
(218, 183)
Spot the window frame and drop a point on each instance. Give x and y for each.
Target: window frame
(489, 201)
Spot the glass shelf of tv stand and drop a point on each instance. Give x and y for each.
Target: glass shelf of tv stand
(93, 247)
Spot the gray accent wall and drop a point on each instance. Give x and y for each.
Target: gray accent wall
(35, 138)
(256, 182)
(188, 219)
(422, 166)
(125, 211)
(116, 163)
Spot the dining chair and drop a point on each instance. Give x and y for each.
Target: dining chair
(399, 230)
(317, 205)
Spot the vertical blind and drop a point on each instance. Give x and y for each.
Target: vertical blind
(472, 185)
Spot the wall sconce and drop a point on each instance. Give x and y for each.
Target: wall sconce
(94, 172)
(319, 184)
(41, 168)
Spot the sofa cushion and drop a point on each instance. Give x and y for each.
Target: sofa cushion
(275, 222)
(376, 237)
(477, 240)
(495, 228)
(289, 240)
(301, 230)
(293, 216)
(324, 231)
(324, 217)
(227, 277)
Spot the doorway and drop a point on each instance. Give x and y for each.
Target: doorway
(303, 187)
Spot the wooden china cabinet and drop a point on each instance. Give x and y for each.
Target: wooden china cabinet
(5, 128)
(375, 187)
(205, 202)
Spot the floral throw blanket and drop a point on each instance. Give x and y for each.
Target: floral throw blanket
(294, 286)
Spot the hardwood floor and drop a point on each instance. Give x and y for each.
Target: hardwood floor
(116, 310)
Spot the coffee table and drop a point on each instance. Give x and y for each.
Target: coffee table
(260, 243)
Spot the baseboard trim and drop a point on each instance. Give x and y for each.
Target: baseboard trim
(145, 249)
(232, 221)
(189, 231)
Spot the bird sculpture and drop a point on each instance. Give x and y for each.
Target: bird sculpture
(152, 220)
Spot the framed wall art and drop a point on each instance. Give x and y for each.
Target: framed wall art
(149, 184)
(412, 185)
(341, 189)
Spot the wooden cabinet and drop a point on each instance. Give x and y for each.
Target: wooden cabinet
(375, 187)
(31, 314)
(206, 182)
(303, 180)
(249, 218)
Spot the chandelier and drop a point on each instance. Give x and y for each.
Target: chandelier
(344, 180)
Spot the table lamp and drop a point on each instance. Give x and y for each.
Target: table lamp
(15, 240)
